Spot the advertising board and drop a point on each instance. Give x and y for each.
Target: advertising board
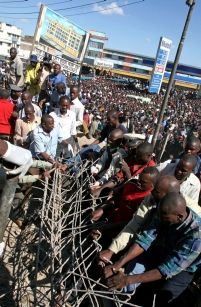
(160, 65)
(103, 63)
(42, 51)
(59, 33)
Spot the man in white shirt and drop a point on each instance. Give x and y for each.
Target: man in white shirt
(78, 108)
(183, 171)
(66, 119)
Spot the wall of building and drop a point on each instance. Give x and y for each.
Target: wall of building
(10, 36)
(95, 47)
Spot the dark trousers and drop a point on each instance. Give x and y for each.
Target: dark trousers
(168, 292)
(6, 199)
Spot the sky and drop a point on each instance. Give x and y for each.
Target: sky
(135, 27)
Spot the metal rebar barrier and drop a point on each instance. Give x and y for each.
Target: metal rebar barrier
(52, 257)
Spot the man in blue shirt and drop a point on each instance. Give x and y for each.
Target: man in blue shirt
(59, 91)
(165, 255)
(45, 138)
(56, 77)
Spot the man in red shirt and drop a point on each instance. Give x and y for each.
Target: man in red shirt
(136, 162)
(125, 203)
(7, 116)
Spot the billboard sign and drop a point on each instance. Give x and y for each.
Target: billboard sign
(59, 33)
(160, 65)
(66, 65)
(103, 63)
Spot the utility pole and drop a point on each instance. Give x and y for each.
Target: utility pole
(190, 4)
(84, 51)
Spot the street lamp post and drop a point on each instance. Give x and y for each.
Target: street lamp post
(191, 4)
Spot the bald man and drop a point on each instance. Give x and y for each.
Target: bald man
(26, 98)
(193, 147)
(167, 251)
(183, 171)
(137, 162)
(142, 216)
(112, 123)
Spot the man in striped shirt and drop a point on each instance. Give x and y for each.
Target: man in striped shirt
(165, 255)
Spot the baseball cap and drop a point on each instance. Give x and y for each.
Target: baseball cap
(15, 88)
(33, 58)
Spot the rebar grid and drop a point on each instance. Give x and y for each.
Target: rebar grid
(53, 256)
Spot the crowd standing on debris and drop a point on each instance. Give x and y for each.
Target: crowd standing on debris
(151, 195)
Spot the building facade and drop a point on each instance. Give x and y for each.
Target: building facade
(95, 47)
(10, 36)
(140, 66)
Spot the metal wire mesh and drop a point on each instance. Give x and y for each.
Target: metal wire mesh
(52, 257)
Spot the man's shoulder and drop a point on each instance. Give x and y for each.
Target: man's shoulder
(167, 165)
(123, 128)
(6, 104)
(36, 107)
(62, 76)
(78, 103)
(71, 114)
(149, 201)
(151, 163)
(18, 60)
(53, 114)
(37, 130)
(6, 101)
(20, 120)
(193, 179)
(51, 76)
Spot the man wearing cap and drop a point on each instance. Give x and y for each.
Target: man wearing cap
(32, 76)
(16, 75)
(15, 96)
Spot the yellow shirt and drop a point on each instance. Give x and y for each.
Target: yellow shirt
(32, 76)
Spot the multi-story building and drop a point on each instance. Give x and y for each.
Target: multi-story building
(95, 47)
(140, 66)
(10, 36)
(26, 47)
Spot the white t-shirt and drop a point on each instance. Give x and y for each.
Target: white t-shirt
(67, 122)
(78, 109)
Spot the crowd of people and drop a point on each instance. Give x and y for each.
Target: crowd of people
(151, 201)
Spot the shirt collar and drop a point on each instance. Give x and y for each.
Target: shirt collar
(58, 113)
(76, 99)
(40, 130)
(186, 222)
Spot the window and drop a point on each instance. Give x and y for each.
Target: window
(93, 54)
(96, 45)
(109, 56)
(117, 66)
(121, 58)
(115, 57)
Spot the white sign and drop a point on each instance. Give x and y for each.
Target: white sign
(103, 63)
(160, 65)
(65, 64)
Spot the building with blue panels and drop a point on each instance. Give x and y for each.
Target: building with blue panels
(140, 66)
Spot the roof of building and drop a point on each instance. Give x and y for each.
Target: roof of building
(127, 53)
